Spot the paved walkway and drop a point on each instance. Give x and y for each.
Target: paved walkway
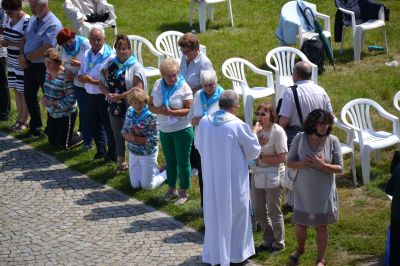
(51, 215)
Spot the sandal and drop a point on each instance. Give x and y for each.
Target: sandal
(15, 127)
(23, 126)
(182, 200)
(320, 261)
(123, 166)
(294, 258)
(169, 195)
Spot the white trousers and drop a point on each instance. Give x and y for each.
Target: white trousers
(143, 171)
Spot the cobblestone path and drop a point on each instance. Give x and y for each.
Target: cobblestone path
(51, 215)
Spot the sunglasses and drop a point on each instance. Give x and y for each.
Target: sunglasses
(261, 114)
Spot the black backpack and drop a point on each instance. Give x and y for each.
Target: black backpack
(314, 50)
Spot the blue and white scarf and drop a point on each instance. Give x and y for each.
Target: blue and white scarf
(143, 114)
(168, 91)
(107, 52)
(206, 103)
(123, 66)
(78, 42)
(221, 116)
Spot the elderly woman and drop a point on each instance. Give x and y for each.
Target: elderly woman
(317, 156)
(268, 173)
(205, 101)
(193, 61)
(119, 77)
(170, 100)
(59, 99)
(72, 47)
(14, 33)
(140, 130)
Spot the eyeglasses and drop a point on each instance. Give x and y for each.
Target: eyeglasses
(209, 85)
(123, 49)
(261, 114)
(185, 51)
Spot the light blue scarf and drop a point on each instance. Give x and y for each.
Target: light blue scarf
(221, 116)
(107, 52)
(168, 91)
(122, 67)
(78, 42)
(206, 103)
(143, 114)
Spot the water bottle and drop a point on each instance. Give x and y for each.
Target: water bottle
(375, 48)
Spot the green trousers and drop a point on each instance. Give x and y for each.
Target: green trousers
(176, 148)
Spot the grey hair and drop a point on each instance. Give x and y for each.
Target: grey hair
(42, 2)
(228, 99)
(208, 77)
(99, 28)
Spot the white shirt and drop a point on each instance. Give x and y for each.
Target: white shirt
(168, 123)
(196, 110)
(311, 97)
(95, 71)
(191, 72)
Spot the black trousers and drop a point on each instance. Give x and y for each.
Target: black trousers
(195, 162)
(5, 102)
(394, 242)
(101, 127)
(34, 77)
(60, 130)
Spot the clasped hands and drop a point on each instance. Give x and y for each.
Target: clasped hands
(316, 161)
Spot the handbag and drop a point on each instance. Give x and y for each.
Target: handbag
(291, 173)
(267, 177)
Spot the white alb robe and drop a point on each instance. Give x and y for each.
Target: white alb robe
(225, 150)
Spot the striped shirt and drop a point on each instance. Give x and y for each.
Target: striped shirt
(60, 89)
(15, 33)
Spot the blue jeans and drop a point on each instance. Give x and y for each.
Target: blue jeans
(84, 117)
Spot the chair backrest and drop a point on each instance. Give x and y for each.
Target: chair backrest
(396, 99)
(137, 43)
(356, 113)
(233, 69)
(282, 60)
(167, 44)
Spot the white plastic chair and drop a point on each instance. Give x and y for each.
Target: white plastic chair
(167, 44)
(304, 35)
(359, 31)
(282, 60)
(396, 99)
(137, 43)
(78, 10)
(233, 69)
(356, 115)
(202, 6)
(348, 147)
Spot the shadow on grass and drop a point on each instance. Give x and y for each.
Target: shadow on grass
(185, 27)
(127, 210)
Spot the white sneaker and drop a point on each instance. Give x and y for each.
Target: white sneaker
(194, 172)
(394, 63)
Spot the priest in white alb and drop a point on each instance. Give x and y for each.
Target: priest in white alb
(226, 144)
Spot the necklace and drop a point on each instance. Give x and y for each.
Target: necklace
(316, 144)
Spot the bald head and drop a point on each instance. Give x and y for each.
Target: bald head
(302, 70)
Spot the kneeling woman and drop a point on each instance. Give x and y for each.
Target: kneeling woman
(140, 130)
(60, 101)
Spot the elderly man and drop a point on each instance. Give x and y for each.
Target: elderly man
(89, 74)
(292, 113)
(40, 35)
(226, 144)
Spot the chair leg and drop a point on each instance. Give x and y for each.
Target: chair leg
(378, 156)
(248, 110)
(385, 38)
(353, 170)
(365, 155)
(230, 11)
(202, 16)
(341, 43)
(115, 29)
(210, 12)
(357, 39)
(191, 13)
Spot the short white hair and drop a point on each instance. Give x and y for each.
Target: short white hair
(208, 77)
(99, 28)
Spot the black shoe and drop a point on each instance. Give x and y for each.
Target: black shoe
(109, 158)
(3, 118)
(262, 248)
(287, 208)
(274, 250)
(39, 134)
(26, 135)
(98, 156)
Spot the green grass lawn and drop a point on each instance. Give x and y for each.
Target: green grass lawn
(364, 212)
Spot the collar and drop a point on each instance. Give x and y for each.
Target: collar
(304, 81)
(45, 18)
(101, 52)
